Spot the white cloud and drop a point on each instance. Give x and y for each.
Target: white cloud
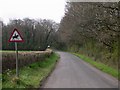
(49, 9)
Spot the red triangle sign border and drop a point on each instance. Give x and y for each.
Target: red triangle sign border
(16, 40)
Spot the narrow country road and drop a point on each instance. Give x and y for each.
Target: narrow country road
(72, 72)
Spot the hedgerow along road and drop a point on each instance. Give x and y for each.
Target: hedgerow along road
(72, 72)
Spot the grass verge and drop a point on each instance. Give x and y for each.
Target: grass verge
(29, 76)
(100, 66)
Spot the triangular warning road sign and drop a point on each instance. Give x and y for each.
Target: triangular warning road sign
(15, 36)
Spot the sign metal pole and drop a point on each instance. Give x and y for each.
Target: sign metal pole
(16, 37)
(17, 71)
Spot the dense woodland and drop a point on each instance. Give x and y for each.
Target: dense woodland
(91, 29)
(37, 34)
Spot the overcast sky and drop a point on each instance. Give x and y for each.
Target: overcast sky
(35, 9)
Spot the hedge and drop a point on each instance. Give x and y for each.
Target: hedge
(25, 58)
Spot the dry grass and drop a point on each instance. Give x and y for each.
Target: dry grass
(25, 58)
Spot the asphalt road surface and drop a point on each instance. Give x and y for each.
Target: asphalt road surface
(72, 72)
